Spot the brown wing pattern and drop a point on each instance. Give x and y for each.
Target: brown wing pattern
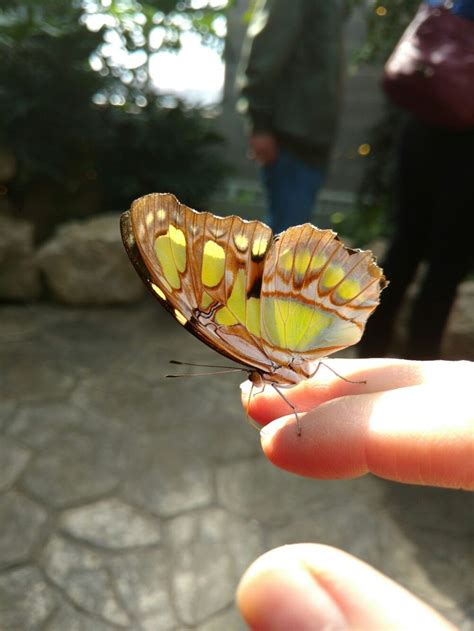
(206, 271)
(274, 304)
(316, 296)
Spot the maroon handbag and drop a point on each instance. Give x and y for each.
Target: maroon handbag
(431, 71)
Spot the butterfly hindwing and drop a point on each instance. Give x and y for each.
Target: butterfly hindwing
(316, 296)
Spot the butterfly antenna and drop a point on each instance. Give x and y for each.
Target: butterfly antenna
(293, 407)
(175, 361)
(337, 374)
(205, 374)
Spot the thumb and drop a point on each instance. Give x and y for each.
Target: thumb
(306, 587)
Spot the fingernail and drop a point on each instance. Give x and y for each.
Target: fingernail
(283, 594)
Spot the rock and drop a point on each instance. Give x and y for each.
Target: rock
(166, 476)
(19, 272)
(22, 523)
(210, 548)
(85, 263)
(111, 524)
(229, 620)
(83, 575)
(238, 492)
(13, 459)
(77, 466)
(68, 618)
(141, 579)
(26, 600)
(37, 424)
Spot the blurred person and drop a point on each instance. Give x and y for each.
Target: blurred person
(434, 217)
(410, 422)
(291, 92)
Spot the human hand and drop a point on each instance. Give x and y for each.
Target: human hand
(312, 587)
(412, 422)
(263, 148)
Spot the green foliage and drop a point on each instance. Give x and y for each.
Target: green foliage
(385, 23)
(141, 29)
(159, 149)
(46, 86)
(61, 154)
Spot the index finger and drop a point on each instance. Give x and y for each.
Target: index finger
(353, 377)
(417, 434)
(343, 377)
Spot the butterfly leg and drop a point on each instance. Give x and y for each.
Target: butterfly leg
(293, 407)
(313, 374)
(253, 423)
(336, 373)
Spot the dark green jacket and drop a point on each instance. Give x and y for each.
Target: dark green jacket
(291, 83)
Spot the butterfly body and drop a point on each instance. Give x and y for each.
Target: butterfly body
(274, 304)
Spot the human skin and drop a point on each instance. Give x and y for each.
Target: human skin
(263, 148)
(412, 422)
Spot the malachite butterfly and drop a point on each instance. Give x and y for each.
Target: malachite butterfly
(276, 304)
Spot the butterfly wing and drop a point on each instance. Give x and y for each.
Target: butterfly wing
(274, 304)
(316, 297)
(206, 270)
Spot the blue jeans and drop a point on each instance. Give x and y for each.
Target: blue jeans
(292, 187)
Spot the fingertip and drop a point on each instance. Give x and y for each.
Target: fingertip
(278, 592)
(327, 447)
(313, 586)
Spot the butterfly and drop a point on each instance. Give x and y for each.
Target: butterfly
(276, 304)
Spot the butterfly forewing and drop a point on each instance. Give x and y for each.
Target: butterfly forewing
(207, 271)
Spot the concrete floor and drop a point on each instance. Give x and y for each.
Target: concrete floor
(128, 501)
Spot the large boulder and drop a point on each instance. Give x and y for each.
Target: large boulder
(85, 263)
(19, 272)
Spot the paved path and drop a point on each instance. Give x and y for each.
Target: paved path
(132, 502)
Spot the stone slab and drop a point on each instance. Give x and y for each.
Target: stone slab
(82, 573)
(111, 524)
(13, 460)
(78, 466)
(22, 524)
(26, 600)
(210, 548)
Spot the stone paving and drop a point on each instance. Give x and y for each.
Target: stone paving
(128, 501)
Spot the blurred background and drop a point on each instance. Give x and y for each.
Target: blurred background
(127, 501)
